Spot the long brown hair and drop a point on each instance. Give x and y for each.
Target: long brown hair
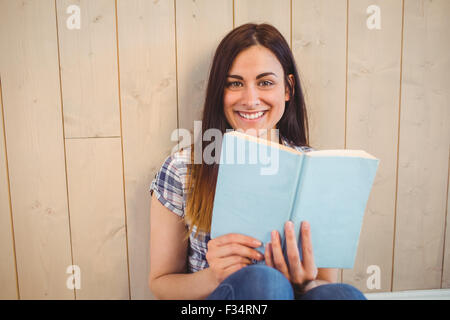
(293, 125)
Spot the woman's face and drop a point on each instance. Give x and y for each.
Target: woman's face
(255, 93)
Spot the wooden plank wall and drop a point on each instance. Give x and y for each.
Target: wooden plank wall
(373, 88)
(34, 139)
(423, 147)
(148, 89)
(7, 262)
(87, 117)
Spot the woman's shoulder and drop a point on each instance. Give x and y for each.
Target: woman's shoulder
(174, 169)
(169, 183)
(177, 161)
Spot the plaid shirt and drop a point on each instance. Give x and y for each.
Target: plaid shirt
(170, 188)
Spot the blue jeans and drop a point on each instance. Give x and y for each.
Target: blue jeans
(260, 282)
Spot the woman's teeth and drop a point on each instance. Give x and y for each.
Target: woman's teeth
(252, 116)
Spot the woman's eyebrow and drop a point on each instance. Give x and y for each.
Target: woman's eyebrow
(257, 77)
(265, 74)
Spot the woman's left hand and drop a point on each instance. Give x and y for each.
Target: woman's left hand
(297, 271)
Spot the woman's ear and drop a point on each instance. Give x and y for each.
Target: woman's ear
(292, 84)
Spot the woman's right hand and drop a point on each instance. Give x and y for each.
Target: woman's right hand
(229, 253)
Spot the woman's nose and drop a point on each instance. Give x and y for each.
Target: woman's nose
(251, 96)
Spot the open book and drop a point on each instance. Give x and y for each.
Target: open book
(262, 184)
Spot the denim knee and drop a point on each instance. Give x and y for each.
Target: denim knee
(334, 291)
(255, 282)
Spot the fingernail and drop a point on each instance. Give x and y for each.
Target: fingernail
(305, 225)
(257, 243)
(290, 225)
(274, 235)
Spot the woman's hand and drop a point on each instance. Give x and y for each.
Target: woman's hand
(229, 253)
(299, 273)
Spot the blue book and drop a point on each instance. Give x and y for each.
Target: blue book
(262, 184)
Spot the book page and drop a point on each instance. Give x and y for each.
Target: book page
(263, 141)
(318, 153)
(340, 153)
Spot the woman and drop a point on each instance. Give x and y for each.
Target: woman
(253, 85)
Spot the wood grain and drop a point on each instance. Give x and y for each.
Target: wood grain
(34, 137)
(274, 12)
(319, 46)
(8, 279)
(445, 283)
(199, 32)
(424, 146)
(97, 214)
(148, 87)
(373, 90)
(89, 70)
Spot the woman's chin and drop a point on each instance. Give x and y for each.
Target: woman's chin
(255, 131)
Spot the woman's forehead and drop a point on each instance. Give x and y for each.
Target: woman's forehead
(256, 60)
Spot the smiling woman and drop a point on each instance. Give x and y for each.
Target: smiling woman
(253, 86)
(256, 93)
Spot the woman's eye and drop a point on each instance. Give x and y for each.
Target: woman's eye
(234, 84)
(266, 83)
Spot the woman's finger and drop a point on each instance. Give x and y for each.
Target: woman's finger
(277, 253)
(232, 269)
(232, 260)
(236, 249)
(309, 265)
(237, 238)
(268, 255)
(295, 265)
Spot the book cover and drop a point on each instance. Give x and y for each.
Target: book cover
(261, 185)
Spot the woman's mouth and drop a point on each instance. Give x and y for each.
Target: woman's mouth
(251, 116)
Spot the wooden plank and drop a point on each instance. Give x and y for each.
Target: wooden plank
(146, 38)
(275, 12)
(8, 279)
(445, 283)
(435, 294)
(200, 26)
(424, 146)
(374, 58)
(319, 47)
(97, 215)
(34, 137)
(89, 69)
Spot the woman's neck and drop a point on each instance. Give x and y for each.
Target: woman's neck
(271, 135)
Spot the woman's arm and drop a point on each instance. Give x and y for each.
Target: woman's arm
(168, 259)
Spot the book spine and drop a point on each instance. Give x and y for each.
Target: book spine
(298, 187)
(299, 173)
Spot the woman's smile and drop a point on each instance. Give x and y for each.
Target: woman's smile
(251, 116)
